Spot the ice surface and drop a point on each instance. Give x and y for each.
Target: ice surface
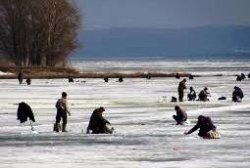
(139, 110)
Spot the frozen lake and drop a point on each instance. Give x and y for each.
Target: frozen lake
(141, 113)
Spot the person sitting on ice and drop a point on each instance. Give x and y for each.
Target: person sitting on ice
(120, 79)
(192, 94)
(237, 95)
(70, 79)
(207, 128)
(97, 123)
(106, 79)
(203, 95)
(243, 76)
(238, 78)
(181, 116)
(28, 81)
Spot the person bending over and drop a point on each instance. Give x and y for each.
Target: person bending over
(97, 123)
(181, 116)
(207, 128)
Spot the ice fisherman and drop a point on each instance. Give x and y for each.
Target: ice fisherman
(181, 88)
(237, 95)
(243, 76)
(120, 79)
(106, 79)
(240, 77)
(28, 81)
(97, 123)
(62, 112)
(203, 95)
(24, 112)
(192, 94)
(206, 128)
(70, 79)
(20, 77)
(181, 116)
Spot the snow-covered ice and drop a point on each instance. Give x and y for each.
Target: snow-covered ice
(5, 73)
(139, 110)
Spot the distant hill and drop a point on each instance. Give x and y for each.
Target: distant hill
(202, 42)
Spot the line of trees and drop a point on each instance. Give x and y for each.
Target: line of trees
(38, 32)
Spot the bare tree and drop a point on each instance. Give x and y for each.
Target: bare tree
(38, 32)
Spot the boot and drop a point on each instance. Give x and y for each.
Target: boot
(64, 127)
(57, 127)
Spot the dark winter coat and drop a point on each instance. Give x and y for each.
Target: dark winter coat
(205, 125)
(180, 116)
(20, 77)
(191, 95)
(182, 86)
(203, 95)
(97, 123)
(237, 93)
(24, 112)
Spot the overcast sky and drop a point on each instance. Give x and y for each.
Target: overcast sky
(100, 14)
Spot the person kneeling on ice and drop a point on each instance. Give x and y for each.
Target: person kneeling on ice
(181, 116)
(207, 128)
(192, 94)
(97, 123)
(237, 95)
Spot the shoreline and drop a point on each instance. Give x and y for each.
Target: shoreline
(110, 75)
(34, 72)
(97, 75)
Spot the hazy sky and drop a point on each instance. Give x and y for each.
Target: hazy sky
(99, 14)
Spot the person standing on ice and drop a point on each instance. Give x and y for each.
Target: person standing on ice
(97, 123)
(20, 77)
(62, 111)
(237, 95)
(181, 116)
(207, 128)
(181, 88)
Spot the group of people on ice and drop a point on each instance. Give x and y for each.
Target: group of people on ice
(237, 94)
(98, 124)
(204, 123)
(207, 130)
